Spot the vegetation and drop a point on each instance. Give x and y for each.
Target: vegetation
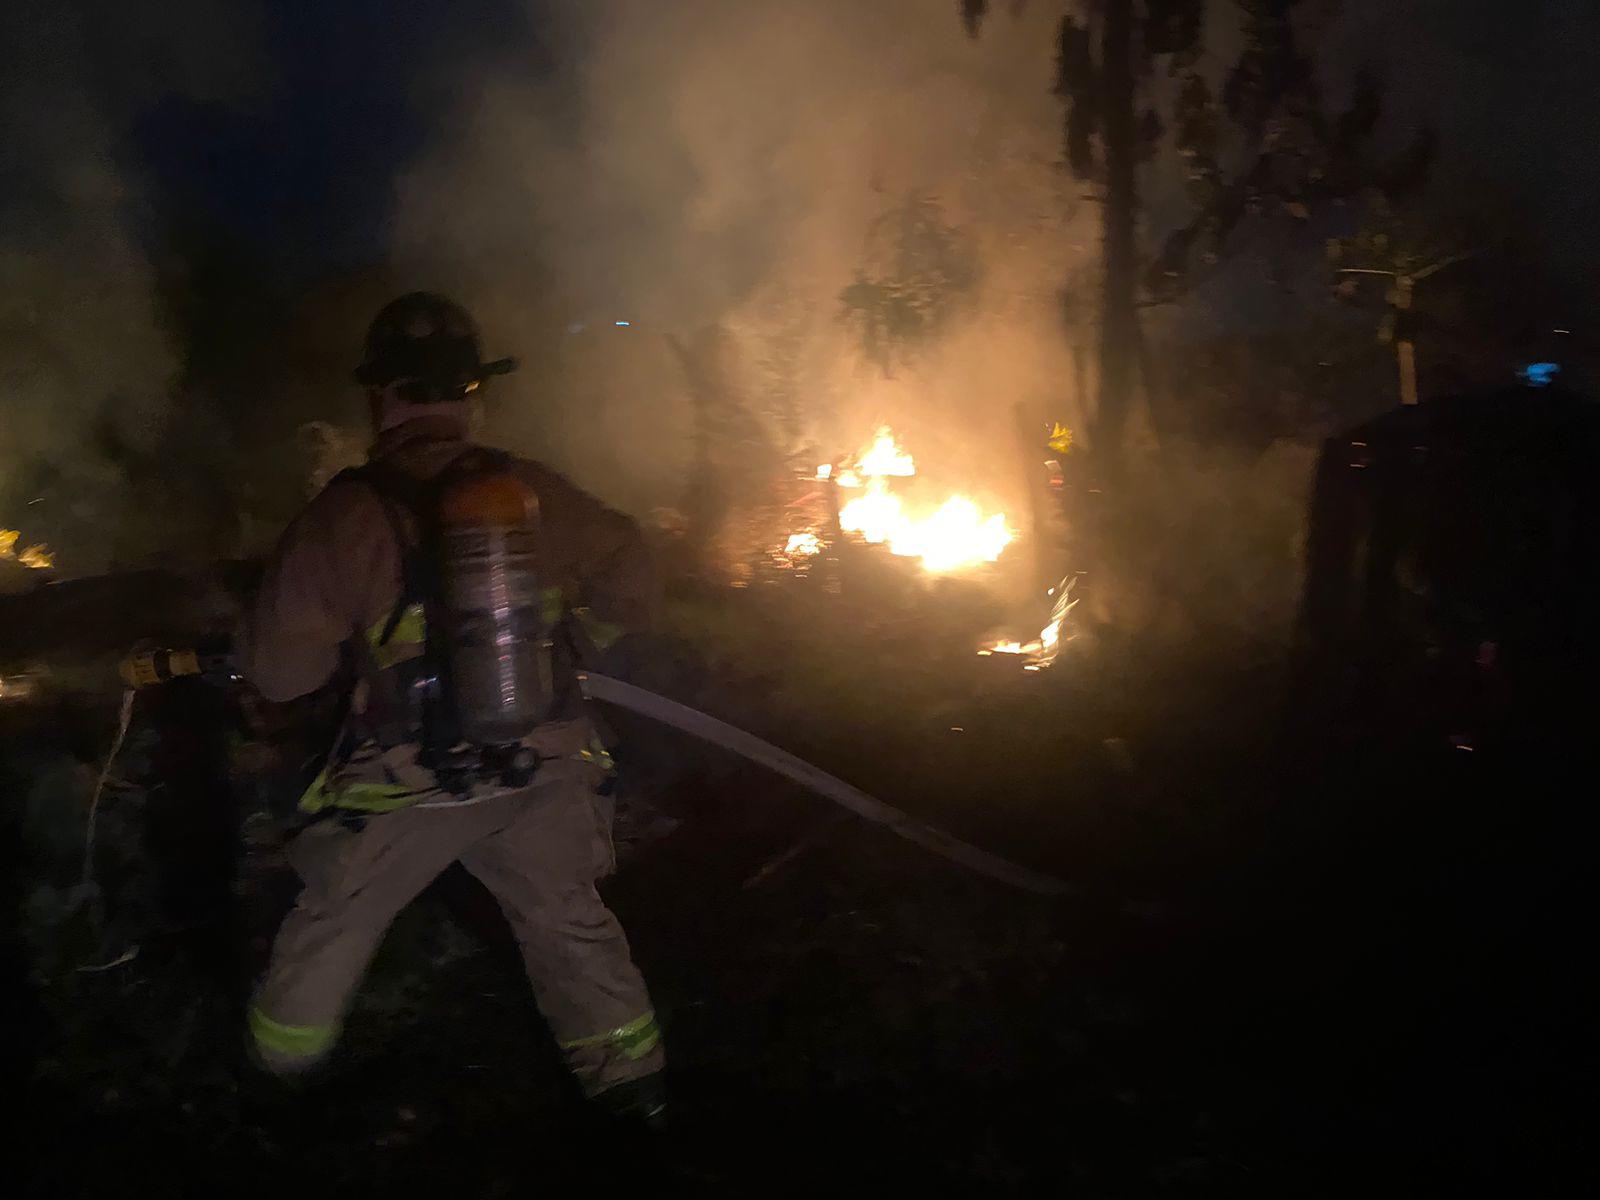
(919, 272)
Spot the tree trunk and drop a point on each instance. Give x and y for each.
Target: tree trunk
(1405, 349)
(1119, 317)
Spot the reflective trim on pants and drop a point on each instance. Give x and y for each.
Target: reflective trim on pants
(538, 851)
(633, 1040)
(288, 1048)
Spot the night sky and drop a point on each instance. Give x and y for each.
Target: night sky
(339, 98)
(1509, 88)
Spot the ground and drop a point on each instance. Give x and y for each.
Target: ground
(1285, 964)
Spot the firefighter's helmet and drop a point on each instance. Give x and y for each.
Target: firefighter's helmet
(429, 343)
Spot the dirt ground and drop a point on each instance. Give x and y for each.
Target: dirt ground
(1284, 966)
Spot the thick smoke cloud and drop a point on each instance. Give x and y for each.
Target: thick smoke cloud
(84, 356)
(719, 165)
(86, 364)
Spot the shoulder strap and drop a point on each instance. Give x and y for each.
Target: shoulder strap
(402, 492)
(398, 493)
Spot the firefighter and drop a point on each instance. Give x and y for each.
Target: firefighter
(383, 818)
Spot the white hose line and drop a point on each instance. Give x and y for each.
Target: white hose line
(123, 719)
(747, 745)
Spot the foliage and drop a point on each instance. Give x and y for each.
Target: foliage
(1270, 146)
(920, 270)
(1170, 29)
(1263, 143)
(1100, 63)
(972, 14)
(1455, 276)
(780, 358)
(1403, 242)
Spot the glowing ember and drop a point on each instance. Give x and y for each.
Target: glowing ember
(37, 557)
(803, 544)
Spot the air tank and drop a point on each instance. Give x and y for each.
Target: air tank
(497, 637)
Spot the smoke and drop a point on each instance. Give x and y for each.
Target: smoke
(717, 172)
(83, 349)
(86, 364)
(725, 166)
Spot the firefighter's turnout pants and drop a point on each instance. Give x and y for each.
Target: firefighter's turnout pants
(539, 851)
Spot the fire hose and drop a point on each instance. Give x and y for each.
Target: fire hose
(708, 729)
(158, 666)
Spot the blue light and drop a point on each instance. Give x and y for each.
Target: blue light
(1540, 374)
(622, 324)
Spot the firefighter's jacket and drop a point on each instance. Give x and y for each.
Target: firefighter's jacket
(336, 575)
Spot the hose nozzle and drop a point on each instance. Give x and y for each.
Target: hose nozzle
(158, 666)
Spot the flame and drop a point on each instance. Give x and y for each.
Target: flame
(36, 557)
(804, 544)
(885, 457)
(954, 536)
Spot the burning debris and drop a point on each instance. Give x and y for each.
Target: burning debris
(803, 544)
(885, 458)
(22, 571)
(36, 557)
(954, 535)
(1041, 651)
